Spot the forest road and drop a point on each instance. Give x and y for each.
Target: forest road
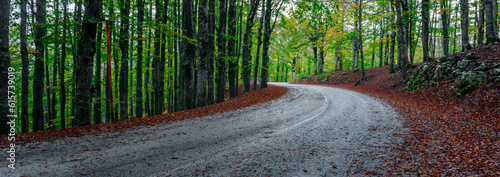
(311, 131)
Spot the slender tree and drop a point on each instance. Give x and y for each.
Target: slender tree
(62, 85)
(40, 31)
(465, 25)
(203, 53)
(188, 55)
(360, 37)
(25, 70)
(402, 9)
(491, 34)
(247, 44)
(97, 104)
(444, 21)
(86, 49)
(221, 59)
(4, 66)
(425, 29)
(124, 44)
(211, 52)
(265, 46)
(259, 44)
(140, 38)
(393, 39)
(232, 50)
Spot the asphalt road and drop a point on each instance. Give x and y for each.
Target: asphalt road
(311, 131)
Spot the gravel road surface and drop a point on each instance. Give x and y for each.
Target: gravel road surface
(311, 131)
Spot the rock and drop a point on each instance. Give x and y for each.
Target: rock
(481, 67)
(495, 72)
(467, 81)
(344, 73)
(496, 65)
(462, 64)
(442, 59)
(440, 72)
(419, 79)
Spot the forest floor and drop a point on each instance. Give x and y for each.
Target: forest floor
(240, 101)
(447, 134)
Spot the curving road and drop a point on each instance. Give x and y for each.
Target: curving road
(311, 131)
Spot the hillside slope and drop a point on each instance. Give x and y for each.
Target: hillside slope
(451, 110)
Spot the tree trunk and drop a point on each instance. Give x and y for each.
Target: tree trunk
(203, 53)
(321, 59)
(425, 29)
(355, 49)
(393, 40)
(491, 35)
(124, 44)
(25, 70)
(187, 55)
(97, 104)
(465, 25)
(381, 54)
(265, 46)
(231, 50)
(402, 9)
(247, 45)
(221, 59)
(38, 123)
(444, 21)
(211, 52)
(259, 44)
(86, 49)
(138, 90)
(360, 32)
(156, 61)
(5, 65)
(315, 51)
(480, 30)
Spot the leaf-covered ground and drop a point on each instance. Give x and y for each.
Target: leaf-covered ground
(447, 135)
(242, 100)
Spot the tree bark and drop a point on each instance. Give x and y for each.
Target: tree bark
(211, 52)
(62, 85)
(393, 40)
(444, 21)
(138, 90)
(360, 32)
(203, 53)
(97, 104)
(86, 49)
(259, 44)
(38, 123)
(465, 25)
(480, 30)
(265, 47)
(221, 59)
(25, 70)
(124, 44)
(247, 45)
(156, 60)
(187, 55)
(4, 67)
(232, 51)
(425, 29)
(402, 9)
(491, 35)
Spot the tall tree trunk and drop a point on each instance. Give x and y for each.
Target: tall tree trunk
(425, 29)
(203, 53)
(232, 51)
(381, 54)
(160, 97)
(321, 59)
(147, 105)
(491, 35)
(360, 33)
(265, 46)
(355, 49)
(38, 123)
(393, 39)
(138, 89)
(156, 59)
(187, 55)
(259, 44)
(124, 44)
(402, 9)
(465, 25)
(247, 44)
(5, 65)
(62, 85)
(97, 104)
(315, 51)
(25, 70)
(211, 52)
(444, 21)
(480, 30)
(221, 59)
(86, 49)
(47, 93)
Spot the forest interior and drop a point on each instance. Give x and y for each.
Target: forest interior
(89, 68)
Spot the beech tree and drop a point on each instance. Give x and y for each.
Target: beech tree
(4, 65)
